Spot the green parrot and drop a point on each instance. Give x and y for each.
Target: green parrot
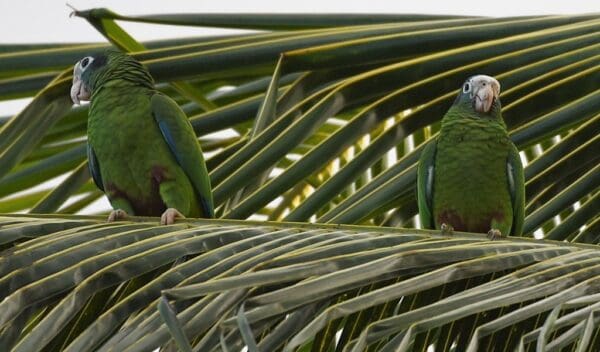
(470, 178)
(142, 151)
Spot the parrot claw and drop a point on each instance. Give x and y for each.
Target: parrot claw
(118, 214)
(169, 216)
(495, 234)
(447, 230)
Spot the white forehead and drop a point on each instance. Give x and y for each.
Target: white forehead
(485, 79)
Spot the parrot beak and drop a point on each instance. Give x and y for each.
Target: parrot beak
(79, 91)
(486, 89)
(484, 99)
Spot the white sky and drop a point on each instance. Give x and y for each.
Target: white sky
(48, 21)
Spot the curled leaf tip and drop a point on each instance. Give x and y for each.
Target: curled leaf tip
(75, 12)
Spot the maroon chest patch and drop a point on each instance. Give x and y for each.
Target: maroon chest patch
(462, 222)
(450, 217)
(152, 205)
(158, 174)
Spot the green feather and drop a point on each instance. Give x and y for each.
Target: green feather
(94, 167)
(425, 173)
(182, 141)
(516, 186)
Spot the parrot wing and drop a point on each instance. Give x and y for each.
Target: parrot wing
(183, 143)
(516, 187)
(94, 167)
(425, 174)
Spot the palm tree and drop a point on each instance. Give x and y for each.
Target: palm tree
(321, 121)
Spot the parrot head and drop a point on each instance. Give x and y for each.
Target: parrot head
(94, 71)
(481, 93)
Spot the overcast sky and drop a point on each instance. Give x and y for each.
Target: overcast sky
(48, 20)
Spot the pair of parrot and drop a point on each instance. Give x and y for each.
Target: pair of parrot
(144, 155)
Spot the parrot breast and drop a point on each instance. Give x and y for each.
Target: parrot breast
(470, 183)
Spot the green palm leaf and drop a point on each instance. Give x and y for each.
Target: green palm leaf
(308, 119)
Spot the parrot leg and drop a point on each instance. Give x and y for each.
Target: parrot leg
(168, 217)
(447, 230)
(118, 214)
(176, 198)
(122, 209)
(494, 234)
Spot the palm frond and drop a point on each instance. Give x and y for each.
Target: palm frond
(281, 284)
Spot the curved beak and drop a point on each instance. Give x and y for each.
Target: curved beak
(485, 90)
(79, 90)
(484, 97)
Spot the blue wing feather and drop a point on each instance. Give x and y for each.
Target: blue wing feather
(94, 167)
(181, 140)
(425, 179)
(164, 129)
(516, 187)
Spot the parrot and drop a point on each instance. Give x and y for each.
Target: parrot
(142, 150)
(470, 177)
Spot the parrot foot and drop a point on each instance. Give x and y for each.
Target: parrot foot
(447, 230)
(118, 214)
(169, 216)
(495, 234)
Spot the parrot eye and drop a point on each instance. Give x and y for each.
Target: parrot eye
(467, 88)
(86, 61)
